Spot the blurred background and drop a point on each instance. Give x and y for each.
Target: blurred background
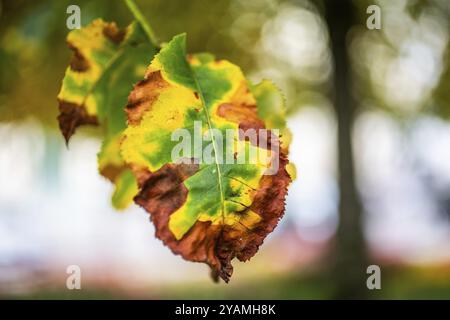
(369, 110)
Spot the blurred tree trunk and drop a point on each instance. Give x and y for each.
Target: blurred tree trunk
(350, 262)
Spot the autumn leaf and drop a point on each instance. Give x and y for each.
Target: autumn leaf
(206, 212)
(106, 63)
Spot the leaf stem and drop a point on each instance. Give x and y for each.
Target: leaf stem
(142, 21)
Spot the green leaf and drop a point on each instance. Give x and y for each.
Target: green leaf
(271, 104)
(126, 189)
(272, 110)
(208, 212)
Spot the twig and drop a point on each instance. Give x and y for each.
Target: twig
(142, 21)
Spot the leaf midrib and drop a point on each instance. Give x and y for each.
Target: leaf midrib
(213, 140)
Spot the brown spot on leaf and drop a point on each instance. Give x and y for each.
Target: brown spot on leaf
(241, 109)
(239, 113)
(72, 116)
(112, 32)
(78, 62)
(263, 138)
(163, 192)
(143, 96)
(111, 172)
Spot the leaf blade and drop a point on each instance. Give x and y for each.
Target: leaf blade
(206, 212)
(107, 61)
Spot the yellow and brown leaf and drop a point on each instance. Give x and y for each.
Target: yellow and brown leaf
(106, 62)
(206, 212)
